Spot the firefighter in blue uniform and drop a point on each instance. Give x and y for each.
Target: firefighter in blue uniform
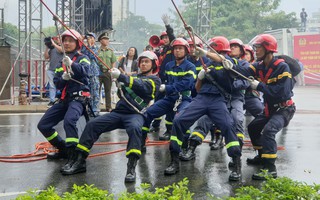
(136, 92)
(252, 101)
(94, 72)
(274, 79)
(204, 123)
(195, 59)
(209, 101)
(165, 56)
(180, 79)
(71, 77)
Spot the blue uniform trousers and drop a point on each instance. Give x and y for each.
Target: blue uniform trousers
(70, 112)
(214, 106)
(111, 121)
(169, 117)
(253, 105)
(262, 130)
(162, 107)
(199, 133)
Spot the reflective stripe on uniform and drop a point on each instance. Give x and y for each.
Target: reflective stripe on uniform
(83, 148)
(215, 67)
(130, 81)
(182, 73)
(76, 140)
(168, 122)
(59, 69)
(198, 134)
(232, 144)
(268, 155)
(257, 147)
(136, 151)
(240, 135)
(55, 134)
(174, 138)
(84, 60)
(145, 128)
(280, 76)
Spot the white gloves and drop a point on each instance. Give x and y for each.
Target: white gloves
(66, 76)
(199, 52)
(202, 74)
(67, 61)
(115, 73)
(162, 88)
(166, 20)
(254, 84)
(227, 64)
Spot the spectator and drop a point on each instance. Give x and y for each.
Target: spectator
(107, 56)
(300, 76)
(303, 16)
(94, 72)
(54, 54)
(128, 64)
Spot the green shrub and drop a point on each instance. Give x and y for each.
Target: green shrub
(272, 189)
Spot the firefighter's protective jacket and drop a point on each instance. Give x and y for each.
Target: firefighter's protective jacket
(144, 88)
(276, 81)
(180, 79)
(80, 67)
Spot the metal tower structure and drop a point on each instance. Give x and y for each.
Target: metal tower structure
(2, 41)
(22, 27)
(77, 17)
(204, 18)
(71, 12)
(63, 10)
(35, 27)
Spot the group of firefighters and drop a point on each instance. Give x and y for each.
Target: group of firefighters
(189, 85)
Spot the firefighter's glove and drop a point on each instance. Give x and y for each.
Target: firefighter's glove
(66, 76)
(115, 73)
(162, 88)
(67, 61)
(227, 64)
(166, 20)
(199, 52)
(202, 74)
(254, 84)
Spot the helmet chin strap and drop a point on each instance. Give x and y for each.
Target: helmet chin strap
(264, 56)
(147, 72)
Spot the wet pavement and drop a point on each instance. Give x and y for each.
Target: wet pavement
(208, 173)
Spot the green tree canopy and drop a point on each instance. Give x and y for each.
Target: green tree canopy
(242, 18)
(135, 31)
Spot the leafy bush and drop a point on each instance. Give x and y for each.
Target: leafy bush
(272, 189)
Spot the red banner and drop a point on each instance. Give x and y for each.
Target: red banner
(307, 50)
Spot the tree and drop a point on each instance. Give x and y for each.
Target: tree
(12, 31)
(135, 31)
(242, 18)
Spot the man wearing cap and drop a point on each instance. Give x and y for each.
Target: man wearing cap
(107, 56)
(94, 72)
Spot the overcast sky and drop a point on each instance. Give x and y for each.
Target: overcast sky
(151, 9)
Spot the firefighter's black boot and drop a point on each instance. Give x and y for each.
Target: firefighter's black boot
(269, 167)
(231, 164)
(257, 160)
(131, 166)
(166, 135)
(143, 143)
(236, 171)
(71, 158)
(173, 167)
(154, 129)
(79, 164)
(189, 155)
(61, 146)
(217, 143)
